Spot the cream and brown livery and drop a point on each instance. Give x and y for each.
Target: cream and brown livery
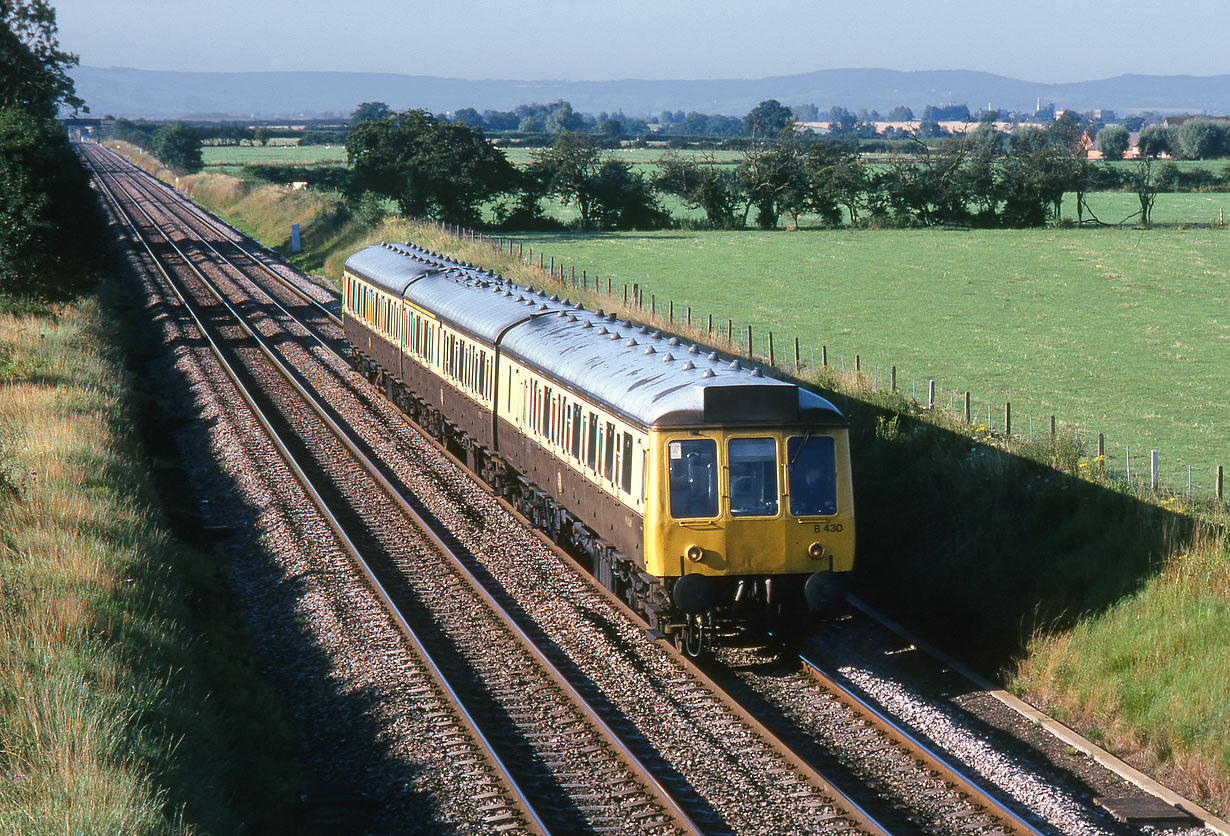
(710, 496)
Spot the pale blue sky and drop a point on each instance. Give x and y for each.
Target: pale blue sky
(1036, 40)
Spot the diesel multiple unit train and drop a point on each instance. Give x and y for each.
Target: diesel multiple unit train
(710, 496)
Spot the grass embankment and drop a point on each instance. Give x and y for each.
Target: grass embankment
(128, 703)
(1099, 601)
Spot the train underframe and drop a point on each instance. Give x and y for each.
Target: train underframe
(725, 607)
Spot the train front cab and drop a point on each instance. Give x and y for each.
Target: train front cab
(754, 524)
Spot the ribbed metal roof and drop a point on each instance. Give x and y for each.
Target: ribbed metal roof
(651, 379)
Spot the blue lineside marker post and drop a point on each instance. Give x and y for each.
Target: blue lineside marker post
(294, 238)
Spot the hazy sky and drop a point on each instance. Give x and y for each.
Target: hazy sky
(1035, 40)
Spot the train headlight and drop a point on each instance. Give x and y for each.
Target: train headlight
(815, 551)
(695, 553)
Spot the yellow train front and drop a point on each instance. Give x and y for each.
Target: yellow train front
(710, 496)
(749, 523)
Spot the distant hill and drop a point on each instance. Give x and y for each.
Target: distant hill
(161, 95)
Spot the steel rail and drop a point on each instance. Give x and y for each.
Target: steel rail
(504, 774)
(1011, 822)
(654, 786)
(179, 202)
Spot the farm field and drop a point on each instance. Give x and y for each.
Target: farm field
(1119, 331)
(237, 155)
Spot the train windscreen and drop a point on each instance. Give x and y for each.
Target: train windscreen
(813, 475)
(692, 471)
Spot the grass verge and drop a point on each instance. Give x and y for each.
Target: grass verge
(129, 702)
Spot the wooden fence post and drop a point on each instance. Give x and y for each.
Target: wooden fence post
(824, 356)
(1217, 485)
(1102, 454)
(1052, 429)
(892, 379)
(1008, 420)
(931, 395)
(796, 353)
(967, 408)
(1153, 469)
(749, 341)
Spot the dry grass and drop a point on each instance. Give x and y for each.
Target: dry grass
(106, 725)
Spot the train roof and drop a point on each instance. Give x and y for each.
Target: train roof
(652, 379)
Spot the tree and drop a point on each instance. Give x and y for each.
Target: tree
(1113, 141)
(1200, 139)
(50, 224)
(1148, 178)
(562, 118)
(431, 168)
(568, 169)
(767, 119)
(370, 112)
(901, 113)
(33, 68)
(701, 184)
(1154, 140)
(178, 147)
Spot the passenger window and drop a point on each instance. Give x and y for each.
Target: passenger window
(576, 431)
(591, 455)
(692, 471)
(608, 464)
(753, 477)
(626, 464)
(813, 476)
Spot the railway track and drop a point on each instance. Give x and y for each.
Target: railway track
(664, 737)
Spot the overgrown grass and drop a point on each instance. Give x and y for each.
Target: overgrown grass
(114, 716)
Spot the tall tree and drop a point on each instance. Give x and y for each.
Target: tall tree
(1113, 141)
(767, 119)
(370, 112)
(431, 168)
(33, 68)
(701, 184)
(50, 223)
(179, 147)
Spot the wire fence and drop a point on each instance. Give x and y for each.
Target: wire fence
(1135, 465)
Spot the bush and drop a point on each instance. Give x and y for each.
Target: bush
(51, 239)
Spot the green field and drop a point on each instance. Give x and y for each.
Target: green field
(237, 155)
(1119, 331)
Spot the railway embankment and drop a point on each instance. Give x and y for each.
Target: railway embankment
(129, 702)
(1099, 600)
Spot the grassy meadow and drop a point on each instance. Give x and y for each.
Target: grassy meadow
(1124, 332)
(115, 717)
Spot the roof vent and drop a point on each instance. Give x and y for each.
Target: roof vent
(756, 372)
(587, 324)
(656, 334)
(712, 355)
(630, 342)
(579, 306)
(542, 293)
(688, 366)
(692, 349)
(571, 318)
(614, 335)
(668, 358)
(561, 313)
(650, 349)
(736, 365)
(611, 317)
(600, 312)
(709, 373)
(644, 329)
(602, 330)
(673, 341)
(542, 307)
(554, 297)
